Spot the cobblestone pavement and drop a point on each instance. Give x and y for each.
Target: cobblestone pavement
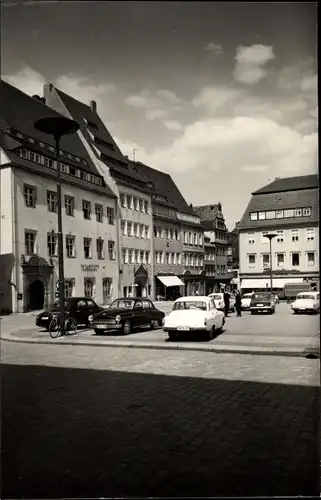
(80, 421)
(283, 329)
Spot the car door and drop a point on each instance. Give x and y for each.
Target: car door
(212, 313)
(81, 312)
(138, 314)
(149, 311)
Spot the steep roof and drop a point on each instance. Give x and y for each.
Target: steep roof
(164, 186)
(279, 200)
(208, 212)
(283, 184)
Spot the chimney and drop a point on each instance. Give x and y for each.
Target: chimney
(36, 97)
(191, 205)
(93, 106)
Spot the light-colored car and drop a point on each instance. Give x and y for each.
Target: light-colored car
(306, 302)
(194, 314)
(219, 301)
(246, 301)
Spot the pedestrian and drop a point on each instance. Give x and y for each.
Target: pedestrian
(238, 304)
(226, 296)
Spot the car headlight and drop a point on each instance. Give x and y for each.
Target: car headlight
(118, 318)
(90, 318)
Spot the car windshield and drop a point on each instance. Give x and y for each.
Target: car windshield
(56, 303)
(261, 296)
(217, 296)
(122, 304)
(305, 296)
(247, 296)
(197, 304)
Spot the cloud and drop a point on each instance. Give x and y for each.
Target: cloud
(250, 63)
(212, 100)
(159, 104)
(214, 47)
(173, 125)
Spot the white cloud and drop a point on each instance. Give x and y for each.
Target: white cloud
(159, 104)
(173, 125)
(29, 81)
(250, 63)
(214, 47)
(211, 100)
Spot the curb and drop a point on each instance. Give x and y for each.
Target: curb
(311, 353)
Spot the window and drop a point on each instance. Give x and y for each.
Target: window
(298, 212)
(52, 244)
(264, 239)
(107, 289)
(142, 230)
(261, 215)
(70, 205)
(146, 232)
(136, 204)
(279, 237)
(89, 287)
(130, 256)
(86, 208)
(306, 212)
(123, 227)
(311, 258)
(99, 213)
(195, 239)
(87, 248)
(52, 201)
(190, 238)
(270, 214)
(266, 260)
(100, 248)
(200, 240)
(251, 238)
(295, 259)
(280, 259)
(29, 193)
(48, 162)
(136, 229)
(253, 216)
(252, 259)
(147, 255)
(129, 228)
(279, 214)
(110, 215)
(289, 213)
(125, 255)
(309, 233)
(122, 200)
(70, 246)
(69, 287)
(146, 207)
(185, 238)
(30, 242)
(111, 250)
(295, 235)
(129, 201)
(141, 256)
(136, 256)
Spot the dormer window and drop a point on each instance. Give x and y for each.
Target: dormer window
(151, 185)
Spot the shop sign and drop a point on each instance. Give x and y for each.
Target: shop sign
(90, 267)
(280, 271)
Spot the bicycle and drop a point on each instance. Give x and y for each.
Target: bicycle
(56, 330)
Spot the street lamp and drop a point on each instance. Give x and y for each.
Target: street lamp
(270, 236)
(58, 126)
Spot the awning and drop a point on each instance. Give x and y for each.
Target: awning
(170, 280)
(265, 283)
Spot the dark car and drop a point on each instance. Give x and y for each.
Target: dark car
(262, 302)
(80, 308)
(126, 314)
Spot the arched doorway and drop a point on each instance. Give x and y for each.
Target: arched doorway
(36, 296)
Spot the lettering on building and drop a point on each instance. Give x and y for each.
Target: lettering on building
(90, 267)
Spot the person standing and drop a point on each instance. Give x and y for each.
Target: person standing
(238, 304)
(226, 297)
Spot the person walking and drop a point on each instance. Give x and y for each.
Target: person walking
(238, 304)
(226, 296)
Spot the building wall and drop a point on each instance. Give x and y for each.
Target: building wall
(42, 221)
(260, 246)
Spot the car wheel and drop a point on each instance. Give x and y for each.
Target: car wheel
(252, 312)
(127, 328)
(295, 312)
(98, 332)
(154, 324)
(211, 333)
(173, 336)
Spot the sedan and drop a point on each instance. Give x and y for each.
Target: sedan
(219, 301)
(80, 308)
(262, 302)
(306, 302)
(246, 301)
(191, 314)
(124, 315)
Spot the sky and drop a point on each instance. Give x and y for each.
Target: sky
(222, 96)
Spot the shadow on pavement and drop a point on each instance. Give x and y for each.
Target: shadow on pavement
(85, 433)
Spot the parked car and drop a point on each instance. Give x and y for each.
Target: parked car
(306, 302)
(262, 302)
(276, 298)
(219, 301)
(194, 314)
(125, 314)
(246, 301)
(80, 308)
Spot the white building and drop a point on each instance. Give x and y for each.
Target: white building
(289, 208)
(28, 208)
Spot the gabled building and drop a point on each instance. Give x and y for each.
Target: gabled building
(134, 213)
(178, 237)
(28, 206)
(216, 234)
(289, 208)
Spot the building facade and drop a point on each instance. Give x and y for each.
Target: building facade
(289, 209)
(215, 230)
(134, 219)
(28, 207)
(233, 257)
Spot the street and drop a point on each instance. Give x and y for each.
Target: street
(89, 421)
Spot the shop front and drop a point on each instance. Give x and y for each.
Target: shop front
(168, 287)
(195, 284)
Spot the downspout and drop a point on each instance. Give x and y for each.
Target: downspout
(15, 242)
(152, 264)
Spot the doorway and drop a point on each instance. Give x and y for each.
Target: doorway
(36, 296)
